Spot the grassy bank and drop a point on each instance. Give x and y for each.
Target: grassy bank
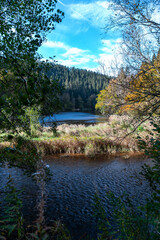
(101, 138)
(108, 137)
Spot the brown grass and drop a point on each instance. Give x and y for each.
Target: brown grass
(75, 145)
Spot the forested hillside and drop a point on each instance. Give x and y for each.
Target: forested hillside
(80, 86)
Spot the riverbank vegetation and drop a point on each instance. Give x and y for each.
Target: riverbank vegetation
(109, 138)
(100, 138)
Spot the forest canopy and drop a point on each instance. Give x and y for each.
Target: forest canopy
(80, 86)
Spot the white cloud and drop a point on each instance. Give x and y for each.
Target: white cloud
(74, 51)
(110, 46)
(95, 13)
(109, 64)
(72, 55)
(110, 59)
(76, 57)
(77, 15)
(155, 13)
(79, 57)
(107, 50)
(104, 4)
(74, 61)
(53, 44)
(111, 42)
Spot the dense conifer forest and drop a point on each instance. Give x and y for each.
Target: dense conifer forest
(80, 86)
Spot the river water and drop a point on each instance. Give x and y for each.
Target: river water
(74, 182)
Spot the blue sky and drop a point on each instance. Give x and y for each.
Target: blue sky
(80, 40)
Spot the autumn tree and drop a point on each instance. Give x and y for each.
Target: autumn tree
(23, 84)
(137, 95)
(111, 99)
(140, 30)
(144, 89)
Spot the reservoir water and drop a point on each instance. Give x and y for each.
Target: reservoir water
(71, 190)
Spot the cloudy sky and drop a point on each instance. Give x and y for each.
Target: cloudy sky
(80, 39)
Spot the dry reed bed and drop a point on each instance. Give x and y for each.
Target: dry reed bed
(75, 145)
(101, 138)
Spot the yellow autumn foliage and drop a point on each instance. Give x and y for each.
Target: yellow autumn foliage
(144, 89)
(110, 98)
(139, 94)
